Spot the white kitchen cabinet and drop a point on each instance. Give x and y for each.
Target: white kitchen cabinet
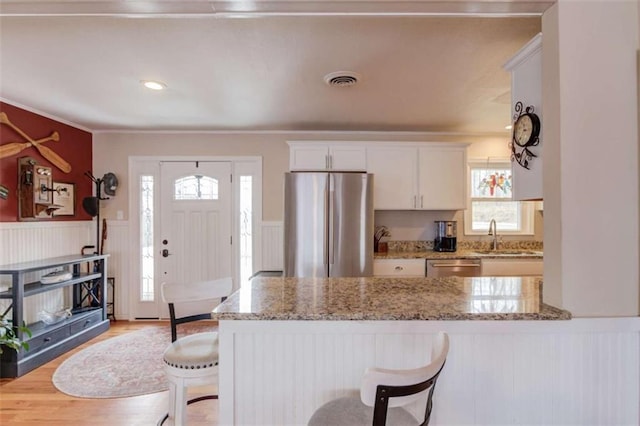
(394, 177)
(442, 178)
(422, 176)
(399, 268)
(526, 87)
(511, 267)
(305, 156)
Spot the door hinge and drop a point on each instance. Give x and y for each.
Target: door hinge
(231, 240)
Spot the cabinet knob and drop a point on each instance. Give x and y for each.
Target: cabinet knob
(399, 268)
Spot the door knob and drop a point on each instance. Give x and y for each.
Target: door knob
(165, 253)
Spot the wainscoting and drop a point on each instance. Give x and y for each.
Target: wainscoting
(577, 372)
(26, 241)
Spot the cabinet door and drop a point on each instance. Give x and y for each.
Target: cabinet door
(347, 158)
(442, 177)
(309, 157)
(395, 177)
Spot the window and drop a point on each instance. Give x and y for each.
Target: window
(146, 239)
(196, 188)
(246, 231)
(490, 185)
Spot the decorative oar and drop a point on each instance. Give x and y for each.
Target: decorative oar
(14, 148)
(47, 153)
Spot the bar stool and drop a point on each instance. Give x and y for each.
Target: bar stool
(384, 392)
(191, 360)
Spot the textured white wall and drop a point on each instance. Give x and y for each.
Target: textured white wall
(591, 172)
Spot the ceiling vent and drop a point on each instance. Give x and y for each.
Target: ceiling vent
(342, 78)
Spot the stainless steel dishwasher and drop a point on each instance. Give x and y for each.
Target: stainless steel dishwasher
(453, 268)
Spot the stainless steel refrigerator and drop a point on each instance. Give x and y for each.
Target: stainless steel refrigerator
(328, 224)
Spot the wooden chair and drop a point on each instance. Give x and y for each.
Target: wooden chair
(384, 392)
(191, 360)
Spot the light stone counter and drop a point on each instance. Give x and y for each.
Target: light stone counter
(466, 250)
(462, 254)
(383, 299)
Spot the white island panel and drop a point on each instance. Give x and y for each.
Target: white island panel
(582, 371)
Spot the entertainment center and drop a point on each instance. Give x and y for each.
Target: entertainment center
(85, 292)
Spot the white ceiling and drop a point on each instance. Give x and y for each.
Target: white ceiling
(263, 69)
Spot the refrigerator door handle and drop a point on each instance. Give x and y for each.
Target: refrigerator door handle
(331, 239)
(327, 218)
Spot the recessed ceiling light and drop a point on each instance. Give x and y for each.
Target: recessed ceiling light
(153, 85)
(508, 127)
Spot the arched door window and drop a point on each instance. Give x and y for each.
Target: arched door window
(196, 187)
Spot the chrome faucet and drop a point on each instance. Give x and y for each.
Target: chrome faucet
(493, 230)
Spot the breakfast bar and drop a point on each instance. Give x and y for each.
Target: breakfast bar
(287, 345)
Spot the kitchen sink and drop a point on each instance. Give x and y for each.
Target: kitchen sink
(512, 252)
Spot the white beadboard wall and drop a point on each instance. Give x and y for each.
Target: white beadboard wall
(578, 372)
(26, 241)
(272, 246)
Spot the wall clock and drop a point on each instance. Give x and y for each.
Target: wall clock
(526, 134)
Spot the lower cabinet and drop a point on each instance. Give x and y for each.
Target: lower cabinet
(399, 268)
(511, 267)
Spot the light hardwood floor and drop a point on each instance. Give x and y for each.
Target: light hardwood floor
(33, 400)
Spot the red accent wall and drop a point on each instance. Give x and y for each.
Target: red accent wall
(74, 146)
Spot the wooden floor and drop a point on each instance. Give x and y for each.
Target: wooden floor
(33, 400)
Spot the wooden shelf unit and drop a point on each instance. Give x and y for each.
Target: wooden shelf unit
(48, 341)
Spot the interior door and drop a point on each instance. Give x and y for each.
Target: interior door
(195, 223)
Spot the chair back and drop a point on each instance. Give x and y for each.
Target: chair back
(203, 291)
(382, 388)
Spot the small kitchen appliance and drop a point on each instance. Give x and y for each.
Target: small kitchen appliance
(446, 235)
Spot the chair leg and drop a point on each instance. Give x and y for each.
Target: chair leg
(172, 400)
(180, 418)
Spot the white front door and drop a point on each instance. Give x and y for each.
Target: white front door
(195, 223)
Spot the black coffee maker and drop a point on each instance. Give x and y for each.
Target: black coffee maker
(446, 233)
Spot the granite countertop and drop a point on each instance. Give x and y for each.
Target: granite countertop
(461, 254)
(377, 298)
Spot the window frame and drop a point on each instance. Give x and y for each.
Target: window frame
(526, 209)
(214, 182)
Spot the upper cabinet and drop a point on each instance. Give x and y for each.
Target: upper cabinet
(420, 176)
(327, 156)
(395, 171)
(407, 175)
(442, 177)
(526, 87)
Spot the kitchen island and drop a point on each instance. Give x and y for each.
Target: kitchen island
(397, 299)
(288, 345)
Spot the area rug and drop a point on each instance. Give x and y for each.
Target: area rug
(122, 366)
